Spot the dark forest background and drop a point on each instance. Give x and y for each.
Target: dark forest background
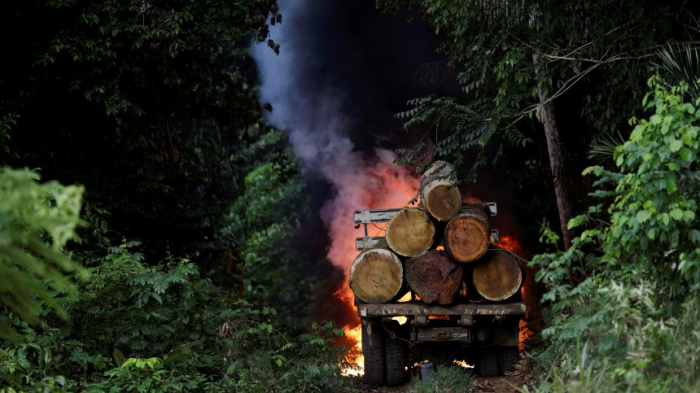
(158, 233)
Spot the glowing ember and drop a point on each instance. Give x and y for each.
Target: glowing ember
(511, 244)
(462, 363)
(440, 247)
(469, 198)
(405, 298)
(401, 320)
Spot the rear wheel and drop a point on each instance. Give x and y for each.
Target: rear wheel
(488, 363)
(396, 357)
(508, 357)
(373, 351)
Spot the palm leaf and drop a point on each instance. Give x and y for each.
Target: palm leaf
(603, 148)
(681, 63)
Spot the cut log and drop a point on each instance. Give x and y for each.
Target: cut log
(467, 235)
(376, 275)
(438, 192)
(497, 276)
(434, 277)
(410, 232)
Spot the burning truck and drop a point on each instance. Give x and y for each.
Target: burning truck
(436, 285)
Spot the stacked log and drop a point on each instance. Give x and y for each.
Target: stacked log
(407, 258)
(467, 234)
(498, 276)
(411, 232)
(376, 275)
(438, 192)
(434, 277)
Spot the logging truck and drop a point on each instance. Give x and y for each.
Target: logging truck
(435, 287)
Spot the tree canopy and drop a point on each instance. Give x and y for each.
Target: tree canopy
(523, 64)
(153, 98)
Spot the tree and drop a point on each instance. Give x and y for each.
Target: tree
(518, 60)
(634, 315)
(142, 102)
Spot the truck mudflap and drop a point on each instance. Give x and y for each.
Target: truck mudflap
(366, 310)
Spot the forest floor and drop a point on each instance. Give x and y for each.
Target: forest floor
(511, 383)
(500, 384)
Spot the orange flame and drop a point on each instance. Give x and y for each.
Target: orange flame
(382, 185)
(405, 298)
(511, 244)
(462, 363)
(354, 356)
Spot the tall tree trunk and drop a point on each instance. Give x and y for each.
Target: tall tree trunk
(545, 114)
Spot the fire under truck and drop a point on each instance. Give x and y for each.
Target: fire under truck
(398, 335)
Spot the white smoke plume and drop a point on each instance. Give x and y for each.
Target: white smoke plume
(318, 129)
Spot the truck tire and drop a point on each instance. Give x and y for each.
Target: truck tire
(508, 357)
(488, 363)
(396, 358)
(373, 351)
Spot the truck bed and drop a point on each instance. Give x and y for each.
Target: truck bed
(366, 310)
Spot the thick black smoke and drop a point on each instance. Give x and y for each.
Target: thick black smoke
(343, 71)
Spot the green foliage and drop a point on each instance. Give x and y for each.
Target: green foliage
(512, 55)
(146, 375)
(119, 35)
(261, 359)
(603, 148)
(681, 63)
(136, 327)
(143, 103)
(264, 222)
(629, 324)
(161, 310)
(654, 212)
(159, 118)
(6, 124)
(32, 270)
(448, 378)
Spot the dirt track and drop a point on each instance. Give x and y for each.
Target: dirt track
(501, 384)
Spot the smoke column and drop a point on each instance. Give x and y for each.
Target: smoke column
(334, 87)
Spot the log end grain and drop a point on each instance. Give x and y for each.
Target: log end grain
(443, 201)
(438, 192)
(467, 238)
(376, 276)
(434, 277)
(498, 276)
(410, 232)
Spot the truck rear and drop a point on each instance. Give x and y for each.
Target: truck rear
(400, 334)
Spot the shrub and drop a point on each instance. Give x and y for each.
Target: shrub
(629, 324)
(136, 327)
(36, 220)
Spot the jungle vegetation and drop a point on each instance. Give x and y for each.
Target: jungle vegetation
(138, 175)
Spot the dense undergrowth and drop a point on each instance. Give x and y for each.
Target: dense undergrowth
(162, 327)
(625, 299)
